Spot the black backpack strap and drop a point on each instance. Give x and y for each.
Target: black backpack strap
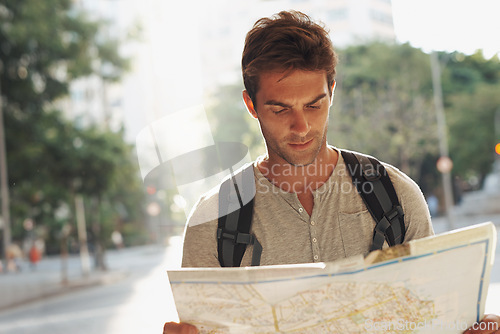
(375, 187)
(236, 201)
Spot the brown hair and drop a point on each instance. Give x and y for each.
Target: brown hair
(288, 40)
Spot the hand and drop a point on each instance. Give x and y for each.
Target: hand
(489, 325)
(179, 328)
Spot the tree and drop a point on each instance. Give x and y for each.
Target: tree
(52, 160)
(230, 120)
(470, 87)
(44, 45)
(383, 104)
(462, 73)
(471, 119)
(107, 175)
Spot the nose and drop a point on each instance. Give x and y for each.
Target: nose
(300, 124)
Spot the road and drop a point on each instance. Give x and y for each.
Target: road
(140, 303)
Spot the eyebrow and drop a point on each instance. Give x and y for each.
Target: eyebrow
(284, 105)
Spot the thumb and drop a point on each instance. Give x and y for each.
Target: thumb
(179, 328)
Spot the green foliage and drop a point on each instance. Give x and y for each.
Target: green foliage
(50, 160)
(461, 73)
(470, 86)
(44, 45)
(228, 109)
(383, 104)
(471, 120)
(384, 107)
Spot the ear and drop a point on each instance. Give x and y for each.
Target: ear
(333, 92)
(249, 104)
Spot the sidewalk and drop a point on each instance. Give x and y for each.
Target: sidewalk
(17, 288)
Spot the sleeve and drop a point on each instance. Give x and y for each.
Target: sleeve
(200, 246)
(417, 217)
(200, 236)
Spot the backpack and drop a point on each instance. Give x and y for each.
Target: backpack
(236, 201)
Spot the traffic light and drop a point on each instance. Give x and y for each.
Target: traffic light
(497, 148)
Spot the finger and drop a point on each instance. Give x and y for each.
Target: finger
(179, 328)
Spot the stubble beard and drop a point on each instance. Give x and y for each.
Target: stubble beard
(292, 158)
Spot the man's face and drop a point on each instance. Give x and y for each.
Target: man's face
(292, 109)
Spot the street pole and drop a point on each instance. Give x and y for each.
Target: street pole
(4, 192)
(443, 141)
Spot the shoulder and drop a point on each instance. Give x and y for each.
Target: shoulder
(401, 181)
(206, 208)
(412, 200)
(408, 191)
(417, 217)
(200, 246)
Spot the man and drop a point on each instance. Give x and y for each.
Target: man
(306, 208)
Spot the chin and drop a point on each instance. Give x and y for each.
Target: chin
(301, 162)
(302, 159)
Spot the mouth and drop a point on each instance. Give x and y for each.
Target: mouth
(301, 146)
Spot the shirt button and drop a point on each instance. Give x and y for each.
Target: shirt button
(313, 223)
(316, 257)
(315, 240)
(300, 210)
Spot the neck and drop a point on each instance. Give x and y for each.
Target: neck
(300, 179)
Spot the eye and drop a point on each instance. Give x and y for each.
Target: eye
(314, 106)
(278, 111)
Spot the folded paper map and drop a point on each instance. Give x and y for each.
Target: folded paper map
(432, 285)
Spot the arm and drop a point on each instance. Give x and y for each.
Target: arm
(200, 246)
(200, 237)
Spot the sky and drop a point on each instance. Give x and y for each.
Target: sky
(449, 25)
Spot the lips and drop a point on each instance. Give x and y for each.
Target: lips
(301, 146)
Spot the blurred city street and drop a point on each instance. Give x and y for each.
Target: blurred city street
(132, 297)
